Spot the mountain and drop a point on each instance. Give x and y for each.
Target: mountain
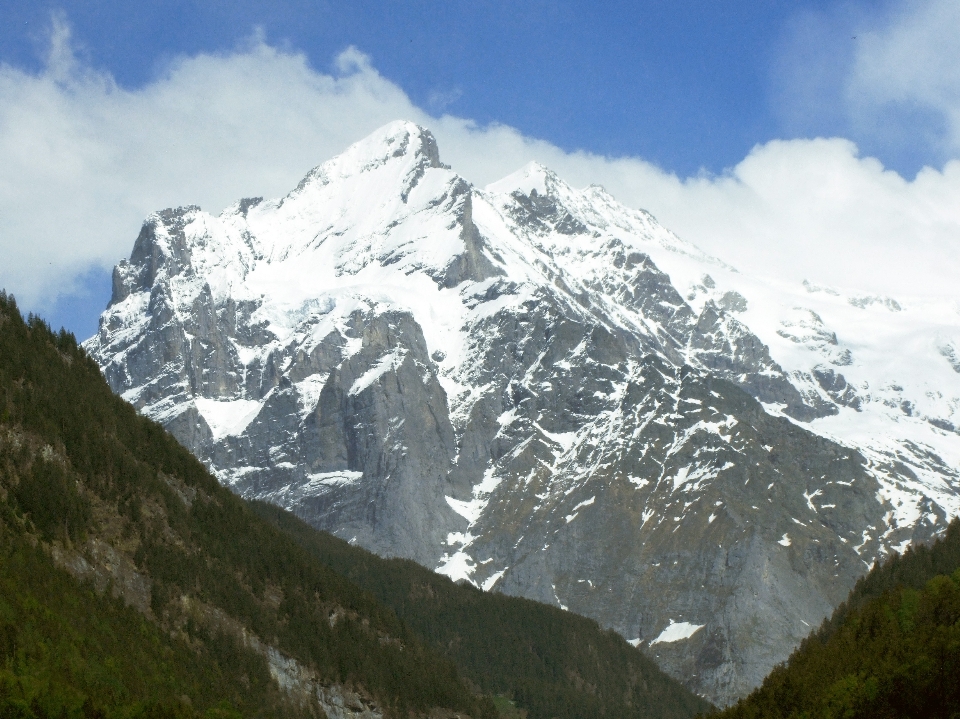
(507, 386)
(892, 649)
(133, 584)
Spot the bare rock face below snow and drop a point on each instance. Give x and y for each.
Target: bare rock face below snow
(505, 385)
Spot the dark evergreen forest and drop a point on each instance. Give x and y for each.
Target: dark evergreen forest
(551, 662)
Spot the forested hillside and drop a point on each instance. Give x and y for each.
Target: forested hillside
(891, 650)
(551, 662)
(224, 600)
(65, 650)
(133, 584)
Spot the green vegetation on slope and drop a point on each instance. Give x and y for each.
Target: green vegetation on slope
(551, 663)
(121, 504)
(891, 650)
(66, 651)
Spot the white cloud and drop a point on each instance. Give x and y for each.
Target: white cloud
(82, 161)
(912, 61)
(440, 100)
(886, 73)
(814, 209)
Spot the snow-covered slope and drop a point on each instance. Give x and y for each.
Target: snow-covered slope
(540, 391)
(885, 367)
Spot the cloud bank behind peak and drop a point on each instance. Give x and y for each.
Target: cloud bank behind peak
(83, 160)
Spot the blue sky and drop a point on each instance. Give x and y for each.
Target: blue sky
(688, 89)
(686, 84)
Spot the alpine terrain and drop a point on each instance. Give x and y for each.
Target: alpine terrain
(540, 391)
(133, 585)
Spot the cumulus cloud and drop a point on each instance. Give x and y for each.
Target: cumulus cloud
(885, 73)
(814, 208)
(911, 62)
(82, 161)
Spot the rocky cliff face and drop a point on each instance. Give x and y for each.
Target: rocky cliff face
(507, 386)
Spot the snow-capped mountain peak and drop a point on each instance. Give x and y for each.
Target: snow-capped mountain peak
(535, 389)
(402, 144)
(532, 178)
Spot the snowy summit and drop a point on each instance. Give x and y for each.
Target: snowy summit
(540, 391)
